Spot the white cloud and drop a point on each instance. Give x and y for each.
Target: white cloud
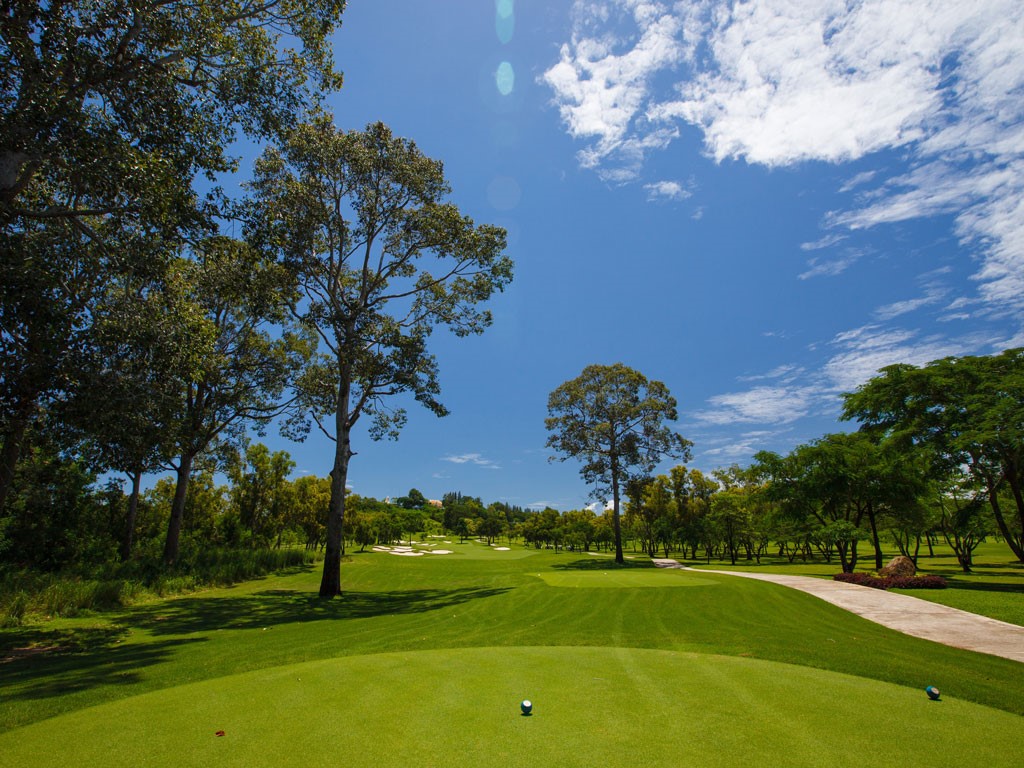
(745, 445)
(778, 82)
(602, 82)
(667, 190)
(826, 242)
(472, 458)
(933, 295)
(862, 352)
(830, 267)
(761, 405)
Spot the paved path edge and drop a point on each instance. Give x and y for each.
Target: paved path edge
(910, 615)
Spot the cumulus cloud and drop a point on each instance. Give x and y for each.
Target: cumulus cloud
(776, 82)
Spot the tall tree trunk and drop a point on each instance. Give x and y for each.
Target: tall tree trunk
(874, 538)
(615, 514)
(330, 583)
(133, 510)
(183, 472)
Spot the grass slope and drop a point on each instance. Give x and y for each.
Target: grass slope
(592, 706)
(533, 611)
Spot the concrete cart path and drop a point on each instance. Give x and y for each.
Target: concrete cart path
(906, 614)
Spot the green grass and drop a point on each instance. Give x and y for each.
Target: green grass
(432, 654)
(592, 706)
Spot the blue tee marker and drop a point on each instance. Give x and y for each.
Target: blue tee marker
(526, 706)
(933, 692)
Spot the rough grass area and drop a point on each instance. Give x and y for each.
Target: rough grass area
(27, 596)
(433, 654)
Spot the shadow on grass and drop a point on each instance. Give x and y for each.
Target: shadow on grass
(37, 663)
(41, 663)
(952, 582)
(276, 606)
(601, 564)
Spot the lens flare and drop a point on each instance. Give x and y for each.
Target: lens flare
(505, 78)
(505, 20)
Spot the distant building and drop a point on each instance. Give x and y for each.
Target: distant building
(435, 503)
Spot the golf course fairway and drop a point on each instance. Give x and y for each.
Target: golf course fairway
(423, 661)
(592, 706)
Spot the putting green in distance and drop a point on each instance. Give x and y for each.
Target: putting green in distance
(591, 706)
(625, 579)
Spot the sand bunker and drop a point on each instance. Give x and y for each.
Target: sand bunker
(404, 551)
(501, 549)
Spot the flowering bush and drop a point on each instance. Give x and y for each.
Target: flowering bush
(890, 582)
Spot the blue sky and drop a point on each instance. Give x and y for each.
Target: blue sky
(759, 204)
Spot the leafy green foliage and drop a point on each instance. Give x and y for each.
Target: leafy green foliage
(965, 412)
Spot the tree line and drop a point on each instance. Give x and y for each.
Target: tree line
(938, 455)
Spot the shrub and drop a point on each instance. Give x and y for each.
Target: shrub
(891, 582)
(13, 612)
(25, 592)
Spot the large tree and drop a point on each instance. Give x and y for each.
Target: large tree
(113, 106)
(361, 219)
(612, 419)
(967, 412)
(109, 109)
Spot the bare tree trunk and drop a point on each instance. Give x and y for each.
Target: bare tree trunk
(330, 583)
(171, 545)
(874, 538)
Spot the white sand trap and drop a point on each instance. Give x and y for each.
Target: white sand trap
(501, 549)
(405, 553)
(440, 552)
(382, 549)
(401, 549)
(446, 541)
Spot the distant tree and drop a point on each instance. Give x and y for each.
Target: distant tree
(412, 500)
(613, 419)
(360, 218)
(259, 482)
(311, 498)
(966, 411)
(491, 525)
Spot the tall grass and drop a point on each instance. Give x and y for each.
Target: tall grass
(26, 594)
